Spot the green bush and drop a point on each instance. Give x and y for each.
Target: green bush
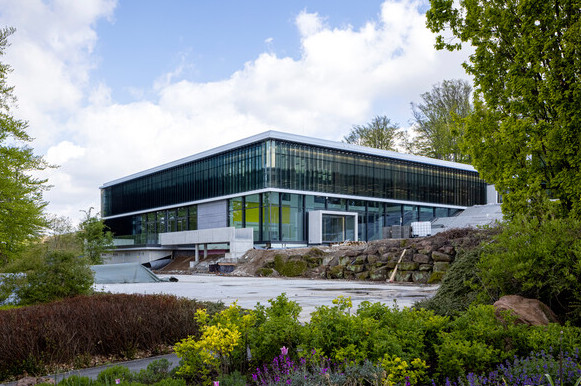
(276, 326)
(111, 374)
(156, 371)
(77, 380)
(63, 275)
(171, 382)
(477, 341)
(264, 271)
(233, 379)
(371, 332)
(539, 259)
(459, 288)
(289, 267)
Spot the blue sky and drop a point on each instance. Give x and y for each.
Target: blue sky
(113, 87)
(210, 39)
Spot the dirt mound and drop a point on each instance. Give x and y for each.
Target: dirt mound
(177, 265)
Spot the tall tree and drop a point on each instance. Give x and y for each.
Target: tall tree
(438, 120)
(380, 133)
(525, 133)
(95, 237)
(21, 203)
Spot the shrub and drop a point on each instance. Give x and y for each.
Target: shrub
(107, 325)
(76, 380)
(220, 347)
(399, 371)
(276, 326)
(156, 371)
(63, 275)
(373, 331)
(289, 267)
(537, 259)
(477, 341)
(459, 287)
(111, 374)
(233, 379)
(264, 271)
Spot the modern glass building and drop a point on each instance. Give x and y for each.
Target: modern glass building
(289, 189)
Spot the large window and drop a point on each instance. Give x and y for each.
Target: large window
(235, 171)
(293, 217)
(311, 168)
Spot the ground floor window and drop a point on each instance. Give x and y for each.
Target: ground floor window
(279, 217)
(282, 218)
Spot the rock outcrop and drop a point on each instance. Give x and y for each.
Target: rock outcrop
(425, 260)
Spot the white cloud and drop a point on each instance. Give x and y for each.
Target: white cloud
(309, 23)
(63, 152)
(344, 76)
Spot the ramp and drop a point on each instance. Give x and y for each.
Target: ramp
(123, 273)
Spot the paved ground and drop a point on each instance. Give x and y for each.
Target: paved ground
(250, 290)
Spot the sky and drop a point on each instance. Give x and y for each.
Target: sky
(110, 88)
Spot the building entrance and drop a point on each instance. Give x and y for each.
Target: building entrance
(338, 228)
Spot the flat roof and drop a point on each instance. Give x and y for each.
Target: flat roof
(301, 139)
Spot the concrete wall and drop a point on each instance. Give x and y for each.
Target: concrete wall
(491, 195)
(134, 256)
(239, 240)
(213, 215)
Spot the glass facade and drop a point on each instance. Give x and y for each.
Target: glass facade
(290, 171)
(235, 171)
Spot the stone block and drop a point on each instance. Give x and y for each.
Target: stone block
(448, 250)
(363, 275)
(420, 276)
(345, 260)
(440, 256)
(403, 276)
(355, 268)
(359, 260)
(334, 262)
(421, 258)
(335, 272)
(408, 266)
(441, 266)
(378, 274)
(426, 267)
(372, 259)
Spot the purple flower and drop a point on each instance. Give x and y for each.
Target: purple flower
(283, 350)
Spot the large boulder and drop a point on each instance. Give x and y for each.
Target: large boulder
(528, 311)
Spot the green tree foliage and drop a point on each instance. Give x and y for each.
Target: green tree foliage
(524, 133)
(21, 203)
(95, 237)
(438, 120)
(62, 275)
(62, 235)
(380, 133)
